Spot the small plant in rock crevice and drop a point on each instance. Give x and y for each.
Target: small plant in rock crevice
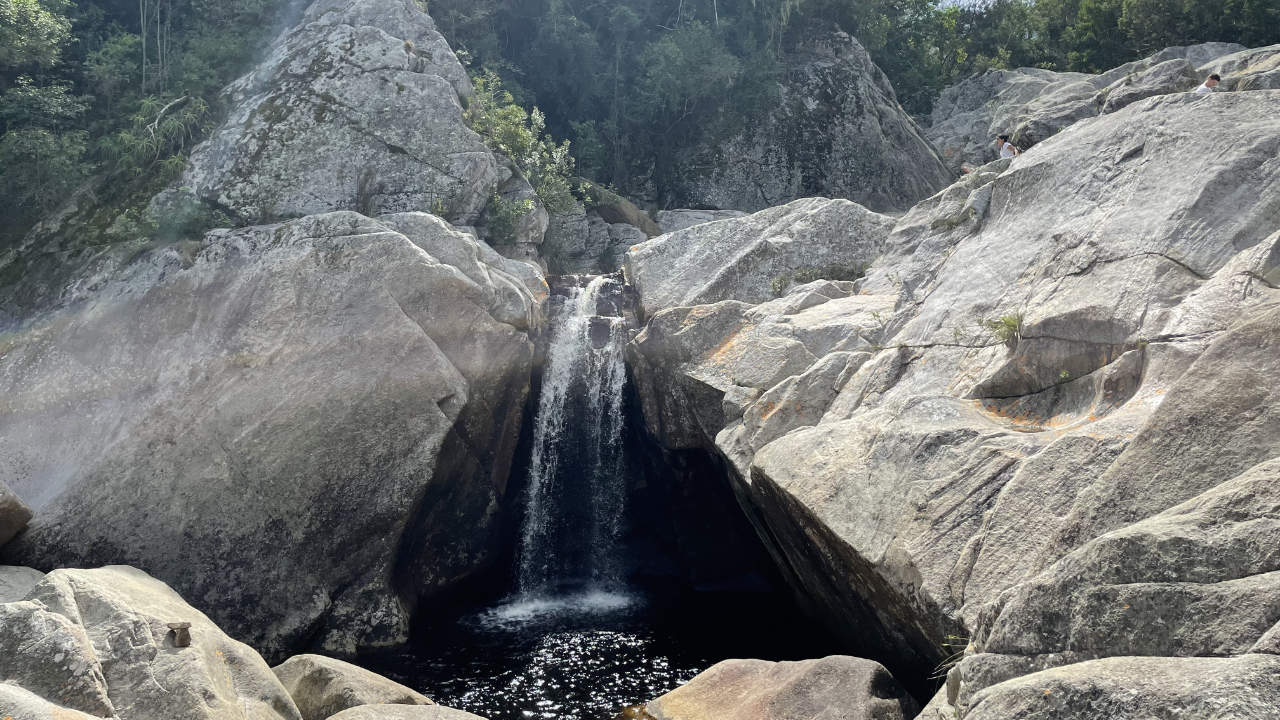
(1007, 328)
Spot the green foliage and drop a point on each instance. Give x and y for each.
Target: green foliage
(781, 283)
(1007, 328)
(522, 136)
(503, 217)
(32, 33)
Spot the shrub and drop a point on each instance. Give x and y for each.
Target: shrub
(781, 283)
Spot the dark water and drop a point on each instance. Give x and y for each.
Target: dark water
(588, 655)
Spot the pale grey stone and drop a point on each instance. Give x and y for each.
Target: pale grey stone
(16, 581)
(99, 641)
(322, 686)
(837, 686)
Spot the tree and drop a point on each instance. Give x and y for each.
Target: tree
(32, 34)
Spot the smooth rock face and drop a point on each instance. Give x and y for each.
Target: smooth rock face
(265, 421)
(356, 108)
(1137, 688)
(403, 712)
(14, 514)
(838, 131)
(322, 686)
(98, 641)
(1031, 104)
(1052, 349)
(834, 687)
(740, 259)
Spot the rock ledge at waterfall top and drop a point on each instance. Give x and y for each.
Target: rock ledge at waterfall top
(934, 484)
(265, 419)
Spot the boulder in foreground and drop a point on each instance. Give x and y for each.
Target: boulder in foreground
(833, 687)
(322, 686)
(100, 642)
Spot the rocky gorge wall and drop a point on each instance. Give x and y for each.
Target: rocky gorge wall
(304, 423)
(1037, 431)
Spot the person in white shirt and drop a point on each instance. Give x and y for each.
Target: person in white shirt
(1007, 149)
(1208, 85)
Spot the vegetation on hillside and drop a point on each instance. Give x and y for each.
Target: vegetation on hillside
(112, 95)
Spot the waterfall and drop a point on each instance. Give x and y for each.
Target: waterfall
(575, 493)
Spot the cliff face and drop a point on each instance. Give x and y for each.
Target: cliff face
(1037, 424)
(837, 131)
(305, 427)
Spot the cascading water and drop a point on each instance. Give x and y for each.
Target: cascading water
(576, 488)
(584, 634)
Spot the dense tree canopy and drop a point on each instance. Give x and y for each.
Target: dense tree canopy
(117, 91)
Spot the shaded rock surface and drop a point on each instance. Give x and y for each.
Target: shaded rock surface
(1031, 104)
(1050, 350)
(322, 686)
(836, 687)
(14, 514)
(837, 131)
(265, 420)
(582, 242)
(1137, 688)
(740, 259)
(98, 642)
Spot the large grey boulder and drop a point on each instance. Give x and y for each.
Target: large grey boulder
(1050, 350)
(838, 131)
(274, 418)
(836, 687)
(99, 642)
(1032, 104)
(356, 108)
(1138, 688)
(322, 686)
(754, 258)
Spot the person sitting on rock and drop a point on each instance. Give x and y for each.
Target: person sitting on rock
(1208, 85)
(1007, 149)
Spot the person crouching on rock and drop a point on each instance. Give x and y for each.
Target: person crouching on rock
(1208, 85)
(1006, 148)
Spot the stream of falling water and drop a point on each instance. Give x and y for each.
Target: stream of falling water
(577, 456)
(573, 641)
